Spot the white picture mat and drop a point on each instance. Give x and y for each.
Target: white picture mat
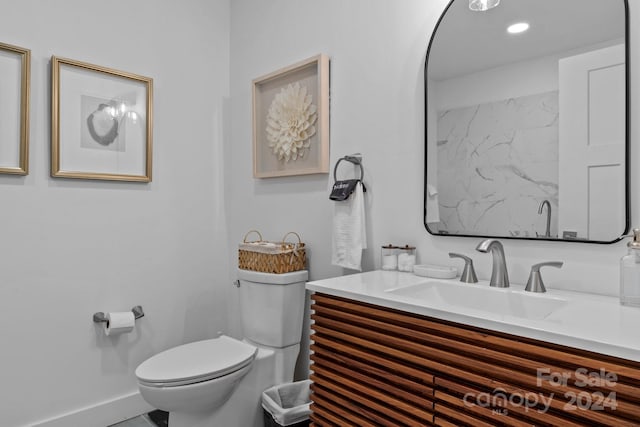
(267, 91)
(77, 82)
(10, 100)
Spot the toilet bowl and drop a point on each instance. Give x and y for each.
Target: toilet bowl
(219, 382)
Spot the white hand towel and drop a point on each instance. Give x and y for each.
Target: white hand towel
(433, 210)
(349, 231)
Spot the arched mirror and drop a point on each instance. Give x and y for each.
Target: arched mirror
(527, 125)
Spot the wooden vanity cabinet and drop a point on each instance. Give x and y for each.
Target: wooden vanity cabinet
(374, 366)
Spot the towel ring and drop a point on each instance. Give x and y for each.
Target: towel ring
(353, 159)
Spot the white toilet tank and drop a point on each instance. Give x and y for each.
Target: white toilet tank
(272, 307)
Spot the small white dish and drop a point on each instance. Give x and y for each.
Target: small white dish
(435, 271)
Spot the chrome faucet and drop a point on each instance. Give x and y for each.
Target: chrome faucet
(547, 232)
(499, 275)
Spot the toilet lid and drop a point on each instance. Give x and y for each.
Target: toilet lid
(196, 362)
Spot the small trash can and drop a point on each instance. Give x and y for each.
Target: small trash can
(287, 405)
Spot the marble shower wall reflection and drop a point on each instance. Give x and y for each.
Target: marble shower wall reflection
(496, 163)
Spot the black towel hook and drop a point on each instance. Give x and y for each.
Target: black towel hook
(356, 159)
(342, 189)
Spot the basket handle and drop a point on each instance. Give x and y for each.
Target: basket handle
(295, 245)
(284, 239)
(244, 240)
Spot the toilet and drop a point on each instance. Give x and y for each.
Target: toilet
(219, 381)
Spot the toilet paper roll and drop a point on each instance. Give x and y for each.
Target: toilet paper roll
(119, 323)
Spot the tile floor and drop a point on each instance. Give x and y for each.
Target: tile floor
(152, 419)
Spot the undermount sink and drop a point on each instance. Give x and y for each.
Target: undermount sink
(503, 301)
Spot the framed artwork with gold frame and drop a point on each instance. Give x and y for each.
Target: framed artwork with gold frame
(291, 120)
(15, 69)
(101, 122)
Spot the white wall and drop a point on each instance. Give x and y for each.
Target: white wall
(377, 56)
(377, 51)
(513, 80)
(70, 248)
(508, 81)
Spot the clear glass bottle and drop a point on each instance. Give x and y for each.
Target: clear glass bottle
(630, 273)
(389, 257)
(406, 258)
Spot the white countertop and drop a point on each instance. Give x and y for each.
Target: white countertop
(588, 321)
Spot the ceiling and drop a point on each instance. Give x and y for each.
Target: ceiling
(466, 42)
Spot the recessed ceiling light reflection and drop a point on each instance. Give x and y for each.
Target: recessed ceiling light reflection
(519, 27)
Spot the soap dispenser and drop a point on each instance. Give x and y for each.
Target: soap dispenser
(630, 273)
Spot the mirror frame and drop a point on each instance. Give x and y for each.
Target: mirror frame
(627, 151)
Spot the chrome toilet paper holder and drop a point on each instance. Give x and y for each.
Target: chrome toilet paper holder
(100, 317)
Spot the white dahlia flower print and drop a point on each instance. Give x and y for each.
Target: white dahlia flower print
(291, 122)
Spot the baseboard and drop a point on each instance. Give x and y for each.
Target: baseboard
(101, 415)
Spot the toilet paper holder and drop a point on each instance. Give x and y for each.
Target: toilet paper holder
(101, 317)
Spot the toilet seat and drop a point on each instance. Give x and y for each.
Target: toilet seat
(196, 362)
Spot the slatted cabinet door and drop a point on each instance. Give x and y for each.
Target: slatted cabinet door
(374, 366)
(362, 374)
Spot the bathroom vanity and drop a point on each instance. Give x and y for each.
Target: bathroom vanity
(392, 348)
(514, 125)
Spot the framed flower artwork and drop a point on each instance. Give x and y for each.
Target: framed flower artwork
(291, 120)
(101, 122)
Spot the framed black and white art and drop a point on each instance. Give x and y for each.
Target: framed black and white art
(101, 122)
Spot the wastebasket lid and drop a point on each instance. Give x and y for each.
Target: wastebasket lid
(195, 362)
